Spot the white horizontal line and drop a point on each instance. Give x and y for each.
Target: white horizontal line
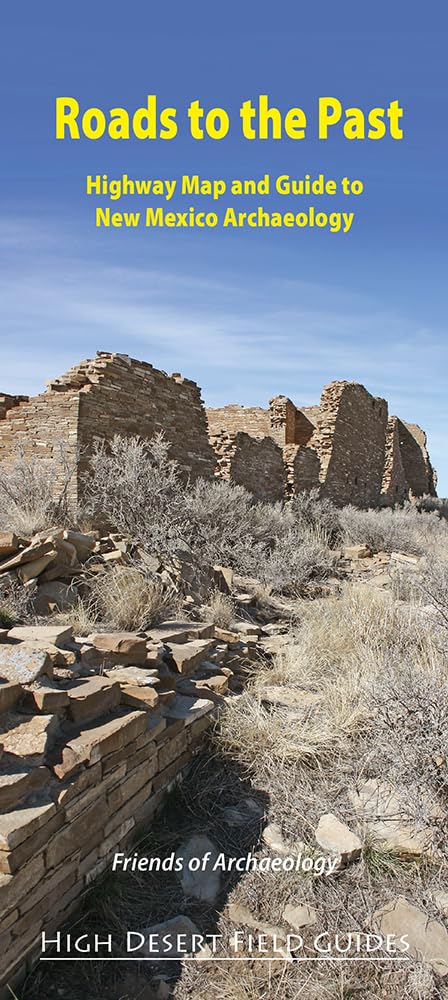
(130, 958)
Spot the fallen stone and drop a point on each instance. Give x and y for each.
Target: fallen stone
(127, 647)
(9, 544)
(299, 916)
(204, 884)
(223, 578)
(428, 939)
(22, 665)
(187, 656)
(10, 694)
(53, 634)
(441, 900)
(93, 698)
(16, 784)
(356, 552)
(187, 709)
(46, 697)
(32, 569)
(273, 837)
(336, 837)
(245, 628)
(379, 808)
(174, 631)
(173, 938)
(400, 557)
(28, 736)
(84, 544)
(240, 914)
(54, 596)
(29, 554)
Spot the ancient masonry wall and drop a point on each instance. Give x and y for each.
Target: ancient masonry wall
(111, 394)
(255, 463)
(394, 486)
(87, 760)
(345, 447)
(252, 420)
(350, 442)
(414, 455)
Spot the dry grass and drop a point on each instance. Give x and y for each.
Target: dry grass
(126, 598)
(220, 609)
(399, 529)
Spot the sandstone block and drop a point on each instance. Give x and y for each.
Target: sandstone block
(428, 939)
(23, 665)
(299, 916)
(334, 836)
(54, 635)
(92, 698)
(28, 736)
(92, 744)
(187, 656)
(187, 709)
(125, 647)
(15, 785)
(10, 694)
(204, 884)
(9, 544)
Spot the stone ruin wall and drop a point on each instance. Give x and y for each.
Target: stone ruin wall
(111, 394)
(346, 447)
(256, 463)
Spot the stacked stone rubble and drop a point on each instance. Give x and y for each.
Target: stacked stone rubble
(94, 731)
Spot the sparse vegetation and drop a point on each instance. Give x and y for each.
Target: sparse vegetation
(32, 498)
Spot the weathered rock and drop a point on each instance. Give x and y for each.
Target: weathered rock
(9, 544)
(383, 814)
(356, 552)
(16, 784)
(273, 837)
(93, 743)
(54, 596)
(223, 578)
(92, 698)
(428, 939)
(334, 836)
(187, 709)
(141, 696)
(125, 647)
(45, 696)
(33, 569)
(53, 634)
(27, 555)
(23, 665)
(299, 916)
(204, 884)
(240, 914)
(28, 736)
(10, 694)
(187, 656)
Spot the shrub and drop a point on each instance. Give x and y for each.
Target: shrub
(125, 598)
(32, 496)
(135, 487)
(317, 515)
(220, 609)
(399, 529)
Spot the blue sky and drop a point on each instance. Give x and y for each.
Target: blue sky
(247, 313)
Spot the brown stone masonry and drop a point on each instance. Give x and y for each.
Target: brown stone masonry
(347, 447)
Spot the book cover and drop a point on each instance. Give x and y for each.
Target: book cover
(223, 538)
